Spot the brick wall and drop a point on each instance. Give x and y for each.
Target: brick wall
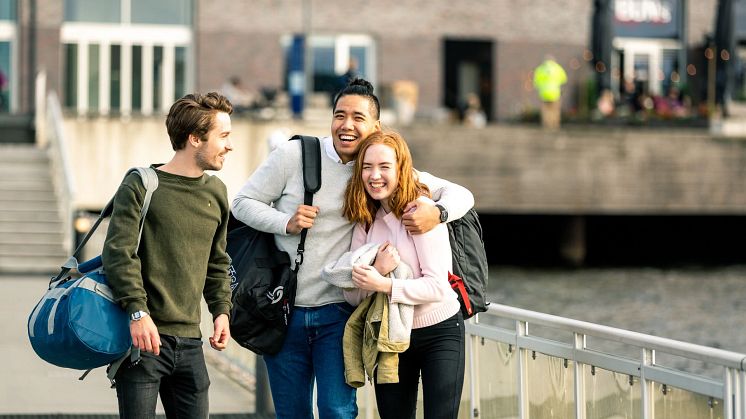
(243, 38)
(257, 58)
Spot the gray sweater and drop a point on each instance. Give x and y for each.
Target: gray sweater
(273, 192)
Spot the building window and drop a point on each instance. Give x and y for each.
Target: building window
(8, 10)
(129, 55)
(99, 11)
(8, 79)
(5, 81)
(168, 12)
(70, 87)
(652, 65)
(331, 57)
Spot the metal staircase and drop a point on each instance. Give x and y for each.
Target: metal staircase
(32, 236)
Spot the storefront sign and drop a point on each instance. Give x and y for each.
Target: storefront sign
(647, 18)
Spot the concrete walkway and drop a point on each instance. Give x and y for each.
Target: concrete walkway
(29, 385)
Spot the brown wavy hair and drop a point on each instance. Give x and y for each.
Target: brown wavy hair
(194, 114)
(359, 207)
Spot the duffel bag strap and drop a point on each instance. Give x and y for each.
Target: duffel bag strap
(133, 354)
(150, 182)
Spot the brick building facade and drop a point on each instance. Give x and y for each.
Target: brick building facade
(448, 49)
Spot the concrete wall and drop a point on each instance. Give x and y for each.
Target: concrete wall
(101, 150)
(510, 169)
(588, 170)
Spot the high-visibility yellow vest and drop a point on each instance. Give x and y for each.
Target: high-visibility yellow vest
(548, 77)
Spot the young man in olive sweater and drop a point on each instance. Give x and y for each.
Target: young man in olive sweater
(181, 258)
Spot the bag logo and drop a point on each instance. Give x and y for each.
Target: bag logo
(234, 278)
(275, 295)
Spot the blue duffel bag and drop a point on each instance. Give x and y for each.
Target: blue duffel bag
(77, 324)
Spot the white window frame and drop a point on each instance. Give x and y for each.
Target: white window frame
(342, 45)
(126, 35)
(654, 49)
(8, 33)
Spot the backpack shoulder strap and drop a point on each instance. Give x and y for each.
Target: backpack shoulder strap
(311, 156)
(311, 159)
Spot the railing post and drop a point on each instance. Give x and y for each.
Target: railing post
(472, 348)
(742, 393)
(734, 405)
(647, 397)
(737, 402)
(728, 411)
(579, 343)
(522, 366)
(40, 110)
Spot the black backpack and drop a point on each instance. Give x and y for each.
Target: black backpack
(470, 269)
(263, 283)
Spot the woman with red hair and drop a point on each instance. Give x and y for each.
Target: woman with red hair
(383, 183)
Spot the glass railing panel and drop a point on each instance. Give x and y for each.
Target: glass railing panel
(465, 405)
(497, 379)
(611, 395)
(675, 403)
(551, 388)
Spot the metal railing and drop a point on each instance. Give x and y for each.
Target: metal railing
(50, 134)
(523, 347)
(508, 367)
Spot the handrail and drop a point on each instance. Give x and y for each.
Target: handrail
(55, 142)
(689, 350)
(730, 388)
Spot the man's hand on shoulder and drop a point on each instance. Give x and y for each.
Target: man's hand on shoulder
(145, 335)
(222, 332)
(420, 216)
(303, 218)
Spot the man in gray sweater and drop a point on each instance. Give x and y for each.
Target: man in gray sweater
(272, 201)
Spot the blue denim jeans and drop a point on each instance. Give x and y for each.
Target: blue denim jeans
(178, 374)
(312, 350)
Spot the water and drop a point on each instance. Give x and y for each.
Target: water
(705, 306)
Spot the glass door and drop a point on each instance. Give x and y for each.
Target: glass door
(651, 64)
(5, 76)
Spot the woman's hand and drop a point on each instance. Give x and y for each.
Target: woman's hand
(387, 258)
(367, 277)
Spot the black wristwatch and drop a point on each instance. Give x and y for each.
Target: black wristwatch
(443, 213)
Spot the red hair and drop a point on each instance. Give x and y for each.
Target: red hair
(359, 207)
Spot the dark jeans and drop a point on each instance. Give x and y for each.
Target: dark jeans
(179, 374)
(437, 352)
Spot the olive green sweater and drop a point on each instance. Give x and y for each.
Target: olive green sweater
(182, 252)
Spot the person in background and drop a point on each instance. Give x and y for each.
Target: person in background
(474, 115)
(549, 77)
(382, 184)
(181, 258)
(272, 201)
(241, 98)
